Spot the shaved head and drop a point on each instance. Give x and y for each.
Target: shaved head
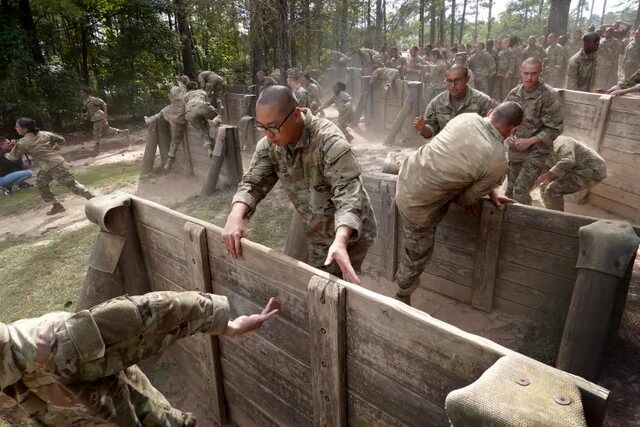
(280, 97)
(508, 113)
(459, 68)
(533, 61)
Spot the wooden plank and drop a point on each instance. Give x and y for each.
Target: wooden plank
(452, 272)
(625, 177)
(620, 116)
(578, 109)
(579, 97)
(538, 260)
(244, 413)
(195, 247)
(486, 259)
(363, 414)
(625, 144)
(576, 121)
(170, 268)
(617, 195)
(160, 283)
(626, 103)
(600, 121)
(532, 298)
(446, 287)
(546, 220)
(620, 156)
(618, 209)
(328, 367)
(170, 246)
(550, 284)
(545, 241)
(388, 222)
(622, 130)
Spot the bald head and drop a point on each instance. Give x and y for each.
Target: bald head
(506, 117)
(460, 68)
(279, 97)
(532, 62)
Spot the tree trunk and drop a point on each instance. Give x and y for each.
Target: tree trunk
(292, 33)
(188, 64)
(638, 16)
(343, 22)
(432, 23)
(255, 38)
(526, 16)
(26, 21)
(306, 37)
(384, 21)
(604, 10)
(541, 9)
(378, 36)
(421, 32)
(443, 24)
(490, 18)
(367, 40)
(282, 55)
(475, 25)
(452, 38)
(591, 11)
(462, 22)
(558, 16)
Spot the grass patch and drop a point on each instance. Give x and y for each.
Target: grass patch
(43, 275)
(104, 178)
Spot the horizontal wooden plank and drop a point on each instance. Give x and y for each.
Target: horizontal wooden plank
(538, 260)
(577, 121)
(626, 103)
(446, 287)
(158, 282)
(170, 246)
(361, 413)
(617, 195)
(242, 412)
(622, 130)
(254, 391)
(618, 115)
(280, 332)
(532, 298)
(161, 218)
(578, 133)
(618, 209)
(449, 271)
(384, 393)
(550, 284)
(579, 109)
(620, 156)
(284, 376)
(625, 144)
(546, 220)
(545, 241)
(624, 177)
(579, 97)
(173, 270)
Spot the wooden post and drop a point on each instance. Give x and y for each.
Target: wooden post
(116, 267)
(364, 101)
(195, 244)
(606, 249)
(164, 139)
(389, 234)
(486, 258)
(600, 121)
(407, 112)
(327, 326)
(233, 155)
(150, 149)
(296, 246)
(187, 151)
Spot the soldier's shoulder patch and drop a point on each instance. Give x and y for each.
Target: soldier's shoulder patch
(334, 148)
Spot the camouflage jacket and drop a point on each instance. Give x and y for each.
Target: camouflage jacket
(211, 83)
(435, 73)
(367, 56)
(609, 52)
(413, 69)
(631, 61)
(465, 161)
(572, 156)
(174, 112)
(507, 64)
(313, 95)
(581, 72)
(632, 80)
(343, 103)
(399, 63)
(442, 109)
(39, 147)
(301, 96)
(95, 108)
(322, 178)
(482, 65)
(556, 58)
(573, 48)
(65, 369)
(543, 117)
(535, 51)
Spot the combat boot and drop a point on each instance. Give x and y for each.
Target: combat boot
(56, 208)
(168, 165)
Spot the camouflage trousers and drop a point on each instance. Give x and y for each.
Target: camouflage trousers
(177, 135)
(198, 117)
(101, 129)
(418, 250)
(345, 120)
(482, 84)
(554, 192)
(521, 177)
(357, 252)
(63, 177)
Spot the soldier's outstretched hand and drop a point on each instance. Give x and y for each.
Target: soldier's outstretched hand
(246, 324)
(418, 124)
(338, 253)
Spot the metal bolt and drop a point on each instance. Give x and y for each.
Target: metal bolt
(324, 364)
(322, 300)
(561, 399)
(323, 330)
(326, 398)
(523, 381)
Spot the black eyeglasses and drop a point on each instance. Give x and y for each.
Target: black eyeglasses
(457, 81)
(261, 128)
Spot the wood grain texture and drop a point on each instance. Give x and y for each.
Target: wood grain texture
(486, 259)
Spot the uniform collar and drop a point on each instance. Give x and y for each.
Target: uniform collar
(487, 123)
(530, 95)
(307, 119)
(465, 100)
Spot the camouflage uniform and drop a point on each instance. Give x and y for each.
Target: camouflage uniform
(573, 48)
(464, 162)
(435, 79)
(581, 72)
(576, 166)
(313, 97)
(50, 164)
(259, 87)
(301, 96)
(213, 85)
(484, 67)
(533, 52)
(443, 108)
(367, 58)
(543, 117)
(387, 76)
(321, 176)
(66, 369)
(506, 68)
(345, 111)
(608, 55)
(174, 114)
(554, 65)
(413, 68)
(95, 111)
(633, 80)
(399, 63)
(631, 61)
(198, 111)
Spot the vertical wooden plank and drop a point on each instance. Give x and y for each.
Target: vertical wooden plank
(150, 148)
(195, 244)
(486, 258)
(389, 224)
(232, 155)
(600, 120)
(327, 326)
(296, 246)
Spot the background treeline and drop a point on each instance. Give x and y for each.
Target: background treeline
(130, 50)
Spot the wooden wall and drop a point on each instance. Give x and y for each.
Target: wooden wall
(400, 363)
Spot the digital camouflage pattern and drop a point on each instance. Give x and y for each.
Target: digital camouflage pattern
(62, 176)
(399, 63)
(213, 85)
(443, 108)
(39, 148)
(94, 108)
(434, 78)
(79, 369)
(198, 111)
(302, 97)
(506, 68)
(367, 57)
(385, 76)
(554, 65)
(345, 111)
(322, 178)
(437, 174)
(533, 52)
(313, 95)
(484, 68)
(581, 72)
(543, 117)
(633, 80)
(576, 166)
(631, 60)
(608, 54)
(413, 69)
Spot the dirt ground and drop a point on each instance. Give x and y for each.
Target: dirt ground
(621, 362)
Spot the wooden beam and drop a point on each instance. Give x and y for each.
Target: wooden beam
(150, 148)
(389, 234)
(195, 245)
(486, 258)
(327, 325)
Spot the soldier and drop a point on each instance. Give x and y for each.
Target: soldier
(313, 92)
(581, 69)
(174, 114)
(262, 81)
(96, 111)
(293, 81)
(72, 369)
(387, 75)
(464, 162)
(631, 60)
(483, 66)
(575, 44)
(493, 50)
(396, 61)
(533, 50)
(198, 110)
(367, 58)
(37, 144)
(459, 99)
(630, 85)
(413, 69)
(213, 85)
(555, 55)
(532, 142)
(516, 47)
(321, 175)
(562, 42)
(505, 70)
(340, 63)
(609, 51)
(576, 167)
(462, 58)
(543, 42)
(621, 33)
(434, 75)
(342, 100)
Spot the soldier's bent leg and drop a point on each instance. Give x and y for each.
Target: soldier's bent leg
(514, 171)
(177, 133)
(62, 175)
(553, 194)
(418, 249)
(42, 183)
(529, 172)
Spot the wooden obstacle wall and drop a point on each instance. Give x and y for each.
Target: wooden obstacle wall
(400, 363)
(238, 102)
